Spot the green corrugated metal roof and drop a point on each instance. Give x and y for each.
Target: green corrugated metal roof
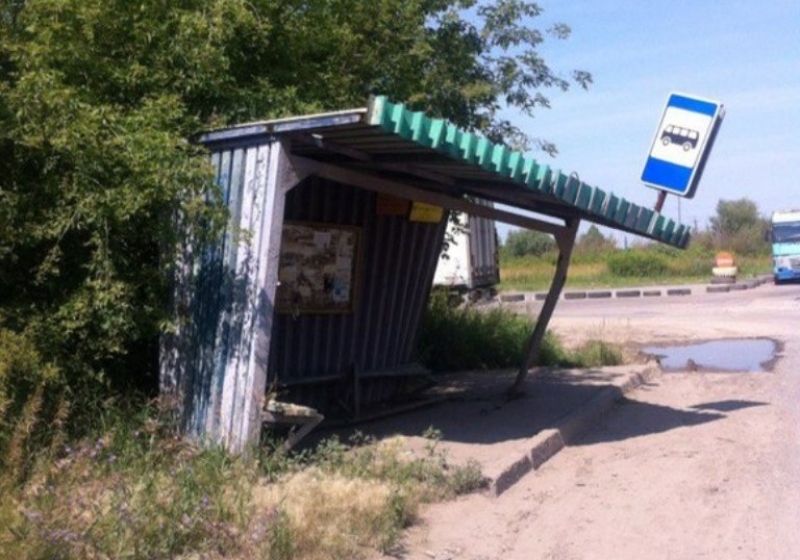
(390, 141)
(589, 202)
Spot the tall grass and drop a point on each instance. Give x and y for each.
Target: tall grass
(136, 490)
(91, 478)
(468, 338)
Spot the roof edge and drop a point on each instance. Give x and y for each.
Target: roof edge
(460, 144)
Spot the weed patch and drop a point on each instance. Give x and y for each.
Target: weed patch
(467, 338)
(137, 490)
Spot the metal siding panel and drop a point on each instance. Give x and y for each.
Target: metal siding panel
(242, 313)
(233, 181)
(398, 259)
(206, 307)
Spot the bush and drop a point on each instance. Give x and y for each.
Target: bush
(597, 353)
(522, 243)
(465, 338)
(593, 245)
(458, 339)
(637, 263)
(33, 406)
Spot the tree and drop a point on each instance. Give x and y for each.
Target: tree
(521, 243)
(739, 227)
(733, 216)
(593, 242)
(98, 98)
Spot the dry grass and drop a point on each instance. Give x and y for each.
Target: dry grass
(140, 492)
(328, 515)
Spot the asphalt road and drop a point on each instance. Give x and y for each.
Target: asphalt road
(691, 465)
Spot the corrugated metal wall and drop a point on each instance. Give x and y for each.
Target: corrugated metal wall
(394, 275)
(208, 361)
(484, 257)
(315, 358)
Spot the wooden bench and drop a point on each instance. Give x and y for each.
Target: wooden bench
(307, 418)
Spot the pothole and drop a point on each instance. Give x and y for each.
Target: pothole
(731, 355)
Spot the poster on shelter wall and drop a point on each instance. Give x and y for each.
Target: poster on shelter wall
(317, 269)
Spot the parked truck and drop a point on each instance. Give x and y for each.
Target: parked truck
(786, 245)
(470, 264)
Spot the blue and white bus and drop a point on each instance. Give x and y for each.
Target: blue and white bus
(786, 245)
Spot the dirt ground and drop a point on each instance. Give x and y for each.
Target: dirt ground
(690, 465)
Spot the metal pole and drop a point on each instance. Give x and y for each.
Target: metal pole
(662, 196)
(565, 240)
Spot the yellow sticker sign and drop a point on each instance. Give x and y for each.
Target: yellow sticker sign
(421, 212)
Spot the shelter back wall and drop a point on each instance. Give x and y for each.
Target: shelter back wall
(393, 278)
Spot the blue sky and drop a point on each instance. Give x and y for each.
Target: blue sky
(744, 54)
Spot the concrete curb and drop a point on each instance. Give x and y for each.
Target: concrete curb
(711, 288)
(547, 443)
(679, 292)
(598, 295)
(629, 293)
(574, 295)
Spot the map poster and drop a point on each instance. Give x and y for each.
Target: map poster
(317, 269)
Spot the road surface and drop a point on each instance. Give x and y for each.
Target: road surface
(693, 465)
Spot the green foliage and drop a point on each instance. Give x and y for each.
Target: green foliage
(733, 215)
(592, 245)
(637, 263)
(134, 489)
(520, 243)
(597, 353)
(453, 339)
(131, 491)
(364, 457)
(98, 98)
(466, 338)
(94, 162)
(739, 228)
(33, 407)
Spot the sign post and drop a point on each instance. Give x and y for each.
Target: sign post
(681, 145)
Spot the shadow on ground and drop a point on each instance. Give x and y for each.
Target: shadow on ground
(477, 412)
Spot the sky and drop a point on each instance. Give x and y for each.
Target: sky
(742, 54)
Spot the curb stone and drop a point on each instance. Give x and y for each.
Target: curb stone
(598, 295)
(575, 295)
(717, 289)
(679, 292)
(547, 443)
(629, 293)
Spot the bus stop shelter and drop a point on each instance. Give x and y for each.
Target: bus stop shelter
(318, 286)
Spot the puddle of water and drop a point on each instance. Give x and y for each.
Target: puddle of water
(748, 354)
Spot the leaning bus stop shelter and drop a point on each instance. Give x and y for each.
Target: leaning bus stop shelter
(317, 289)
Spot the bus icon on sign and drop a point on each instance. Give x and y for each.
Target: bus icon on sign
(684, 137)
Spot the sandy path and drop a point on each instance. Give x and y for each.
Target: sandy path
(694, 465)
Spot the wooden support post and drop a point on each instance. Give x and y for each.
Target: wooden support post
(565, 240)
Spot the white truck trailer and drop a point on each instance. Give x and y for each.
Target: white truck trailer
(470, 264)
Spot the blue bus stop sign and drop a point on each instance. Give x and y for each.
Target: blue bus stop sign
(682, 143)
